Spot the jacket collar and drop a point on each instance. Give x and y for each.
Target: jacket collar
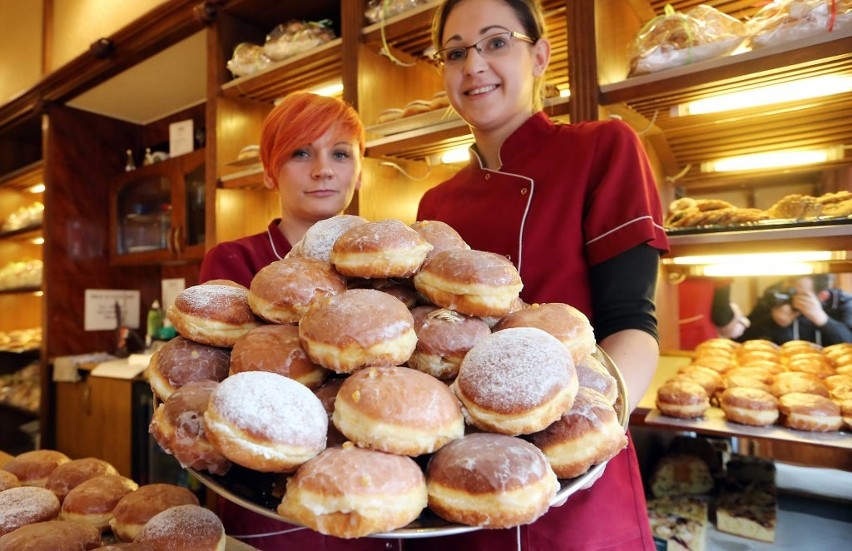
(520, 144)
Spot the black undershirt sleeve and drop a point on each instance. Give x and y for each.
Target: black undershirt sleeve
(623, 289)
(721, 312)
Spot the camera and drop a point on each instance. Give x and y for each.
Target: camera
(779, 297)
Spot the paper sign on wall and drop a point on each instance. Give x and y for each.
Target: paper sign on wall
(180, 138)
(100, 309)
(170, 289)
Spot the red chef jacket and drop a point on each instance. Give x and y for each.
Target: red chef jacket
(566, 197)
(239, 260)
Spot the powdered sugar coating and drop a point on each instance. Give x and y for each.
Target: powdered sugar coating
(224, 303)
(472, 266)
(26, 505)
(515, 369)
(272, 407)
(184, 527)
(320, 238)
(378, 236)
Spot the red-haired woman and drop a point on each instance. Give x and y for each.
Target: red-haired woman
(311, 147)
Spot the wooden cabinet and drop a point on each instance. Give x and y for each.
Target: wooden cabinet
(94, 419)
(157, 212)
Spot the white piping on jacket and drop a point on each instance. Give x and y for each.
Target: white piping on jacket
(272, 243)
(615, 229)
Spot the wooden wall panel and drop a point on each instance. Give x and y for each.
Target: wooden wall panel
(387, 193)
(21, 44)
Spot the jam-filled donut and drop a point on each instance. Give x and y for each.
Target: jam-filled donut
(792, 381)
(809, 412)
(212, 314)
(764, 376)
(181, 361)
(320, 238)
(709, 379)
(184, 528)
(179, 428)
(473, 282)
(749, 406)
(52, 535)
(586, 435)
(358, 328)
(327, 394)
(135, 509)
(68, 476)
(397, 410)
(282, 291)
(32, 468)
(839, 386)
(683, 398)
(443, 339)
(276, 349)
(265, 421)
(93, 501)
(490, 480)
(440, 235)
(564, 322)
(516, 381)
(387, 248)
(592, 374)
(401, 289)
(350, 492)
(26, 505)
(8, 480)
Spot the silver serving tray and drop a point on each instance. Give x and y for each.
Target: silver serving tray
(262, 492)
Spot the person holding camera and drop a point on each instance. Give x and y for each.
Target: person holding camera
(802, 308)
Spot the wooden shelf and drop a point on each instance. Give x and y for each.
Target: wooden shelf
(23, 233)
(20, 291)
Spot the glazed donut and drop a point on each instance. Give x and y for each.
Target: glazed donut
(490, 480)
(387, 248)
(683, 399)
(772, 366)
(358, 328)
(135, 509)
(265, 421)
(764, 376)
(836, 351)
(809, 412)
(846, 412)
(564, 322)
(516, 381)
(397, 410)
(709, 379)
(799, 346)
(178, 427)
(320, 238)
(592, 374)
(746, 356)
(8, 480)
(26, 505)
(93, 501)
(790, 382)
(184, 528)
(212, 314)
(276, 349)
(760, 344)
(350, 492)
(32, 468)
(52, 535)
(720, 364)
(734, 381)
(586, 435)
(406, 294)
(813, 363)
(327, 394)
(476, 283)
(68, 476)
(839, 386)
(443, 339)
(440, 235)
(282, 291)
(181, 361)
(749, 406)
(718, 345)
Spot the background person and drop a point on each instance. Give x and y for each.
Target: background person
(802, 308)
(576, 209)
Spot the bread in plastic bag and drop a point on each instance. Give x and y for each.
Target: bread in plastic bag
(784, 21)
(295, 37)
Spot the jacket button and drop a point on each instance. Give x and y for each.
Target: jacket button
(487, 175)
(523, 191)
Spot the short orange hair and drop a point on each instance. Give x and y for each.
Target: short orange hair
(299, 119)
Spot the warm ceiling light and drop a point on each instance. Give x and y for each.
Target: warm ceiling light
(758, 269)
(456, 155)
(38, 241)
(330, 90)
(803, 89)
(774, 159)
(768, 258)
(564, 92)
(38, 188)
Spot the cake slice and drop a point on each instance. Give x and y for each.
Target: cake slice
(680, 475)
(678, 523)
(749, 511)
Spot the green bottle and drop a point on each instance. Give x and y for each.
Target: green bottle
(155, 323)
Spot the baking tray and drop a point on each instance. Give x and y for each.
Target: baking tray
(262, 492)
(715, 423)
(762, 225)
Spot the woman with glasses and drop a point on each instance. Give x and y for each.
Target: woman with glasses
(576, 209)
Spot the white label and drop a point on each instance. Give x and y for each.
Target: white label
(170, 289)
(180, 138)
(100, 309)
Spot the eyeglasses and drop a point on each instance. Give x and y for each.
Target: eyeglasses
(490, 46)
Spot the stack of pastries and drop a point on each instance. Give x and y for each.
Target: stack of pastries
(385, 369)
(798, 384)
(50, 502)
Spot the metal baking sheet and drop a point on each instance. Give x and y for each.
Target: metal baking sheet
(714, 422)
(262, 492)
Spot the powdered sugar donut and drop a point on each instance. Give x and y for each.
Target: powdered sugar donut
(212, 314)
(516, 381)
(181, 361)
(52, 535)
(8, 480)
(320, 238)
(592, 374)
(564, 322)
(282, 291)
(184, 528)
(265, 421)
(490, 480)
(443, 339)
(135, 509)
(440, 235)
(26, 505)
(387, 248)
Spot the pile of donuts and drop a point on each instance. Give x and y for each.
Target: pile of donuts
(799, 384)
(50, 502)
(386, 368)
